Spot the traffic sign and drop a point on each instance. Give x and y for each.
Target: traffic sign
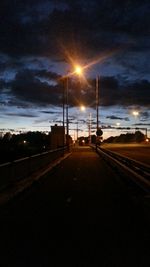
(99, 132)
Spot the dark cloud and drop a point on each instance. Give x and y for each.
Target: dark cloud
(48, 112)
(47, 74)
(112, 93)
(46, 88)
(40, 28)
(14, 114)
(7, 64)
(28, 87)
(3, 84)
(49, 29)
(143, 124)
(117, 118)
(144, 115)
(16, 102)
(134, 93)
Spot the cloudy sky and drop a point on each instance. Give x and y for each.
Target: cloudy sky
(42, 40)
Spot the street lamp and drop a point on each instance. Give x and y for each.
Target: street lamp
(90, 128)
(82, 108)
(67, 121)
(135, 113)
(97, 110)
(78, 71)
(97, 103)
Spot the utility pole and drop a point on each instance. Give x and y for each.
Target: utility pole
(63, 117)
(97, 102)
(90, 128)
(77, 132)
(67, 120)
(97, 108)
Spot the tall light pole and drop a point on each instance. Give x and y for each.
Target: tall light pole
(135, 113)
(90, 128)
(83, 108)
(77, 132)
(97, 103)
(63, 117)
(65, 111)
(67, 120)
(97, 110)
(78, 71)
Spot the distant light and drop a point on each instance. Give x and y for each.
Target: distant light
(118, 123)
(24, 141)
(147, 140)
(82, 108)
(135, 113)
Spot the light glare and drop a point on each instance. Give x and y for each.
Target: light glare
(135, 113)
(78, 70)
(82, 108)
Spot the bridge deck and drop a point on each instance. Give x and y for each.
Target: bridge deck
(77, 215)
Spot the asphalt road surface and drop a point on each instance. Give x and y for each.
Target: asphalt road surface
(83, 213)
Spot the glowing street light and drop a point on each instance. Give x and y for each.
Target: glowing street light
(135, 113)
(82, 108)
(78, 70)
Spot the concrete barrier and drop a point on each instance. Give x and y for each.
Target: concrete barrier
(22, 168)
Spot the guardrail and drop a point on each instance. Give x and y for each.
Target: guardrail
(138, 167)
(138, 172)
(22, 168)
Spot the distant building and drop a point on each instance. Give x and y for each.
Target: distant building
(1, 135)
(57, 136)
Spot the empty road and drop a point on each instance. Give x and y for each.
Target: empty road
(82, 213)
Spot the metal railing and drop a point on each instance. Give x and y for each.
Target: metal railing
(138, 172)
(24, 167)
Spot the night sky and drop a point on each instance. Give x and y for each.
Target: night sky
(41, 41)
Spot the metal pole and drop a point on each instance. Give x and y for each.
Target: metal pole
(97, 104)
(146, 133)
(77, 132)
(67, 121)
(63, 116)
(90, 128)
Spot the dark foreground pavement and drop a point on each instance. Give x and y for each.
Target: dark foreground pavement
(80, 214)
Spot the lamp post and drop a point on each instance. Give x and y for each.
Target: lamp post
(90, 128)
(135, 113)
(83, 108)
(97, 103)
(63, 119)
(77, 132)
(67, 120)
(97, 109)
(78, 71)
